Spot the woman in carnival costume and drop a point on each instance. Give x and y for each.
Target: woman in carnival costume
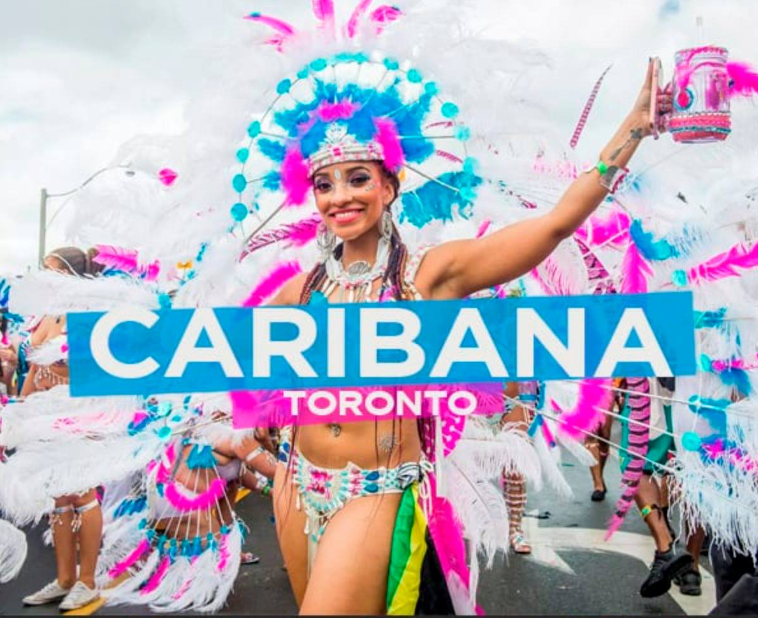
(344, 128)
(76, 520)
(346, 145)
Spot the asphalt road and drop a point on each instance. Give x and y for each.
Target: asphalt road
(571, 572)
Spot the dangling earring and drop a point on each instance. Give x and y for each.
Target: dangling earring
(326, 241)
(385, 227)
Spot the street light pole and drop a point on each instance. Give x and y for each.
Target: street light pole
(42, 225)
(44, 196)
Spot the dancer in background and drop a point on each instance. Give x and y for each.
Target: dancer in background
(76, 520)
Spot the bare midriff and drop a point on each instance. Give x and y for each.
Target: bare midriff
(364, 443)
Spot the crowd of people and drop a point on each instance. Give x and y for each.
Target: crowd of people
(389, 516)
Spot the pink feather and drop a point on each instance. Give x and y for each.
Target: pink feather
(304, 232)
(324, 12)
(167, 462)
(116, 257)
(483, 228)
(555, 279)
(593, 399)
(208, 498)
(295, 179)
(342, 110)
(272, 283)
(725, 264)
(151, 271)
(743, 79)
(355, 18)
(639, 438)
(272, 22)
(223, 554)
(121, 567)
(447, 535)
(383, 15)
(449, 156)
(612, 230)
(386, 136)
(635, 271)
(157, 577)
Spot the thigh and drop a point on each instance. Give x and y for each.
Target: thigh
(349, 575)
(290, 526)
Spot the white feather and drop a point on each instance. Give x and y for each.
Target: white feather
(13, 549)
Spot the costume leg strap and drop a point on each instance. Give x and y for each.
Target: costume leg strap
(55, 515)
(79, 511)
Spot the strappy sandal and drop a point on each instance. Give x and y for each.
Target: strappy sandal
(248, 557)
(519, 545)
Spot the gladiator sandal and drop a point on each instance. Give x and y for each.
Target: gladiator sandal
(515, 498)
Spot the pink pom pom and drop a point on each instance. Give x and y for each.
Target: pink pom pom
(387, 138)
(295, 178)
(167, 176)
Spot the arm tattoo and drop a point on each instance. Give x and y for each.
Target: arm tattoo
(634, 135)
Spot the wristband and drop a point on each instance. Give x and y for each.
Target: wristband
(611, 176)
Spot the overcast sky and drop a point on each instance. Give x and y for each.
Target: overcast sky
(78, 78)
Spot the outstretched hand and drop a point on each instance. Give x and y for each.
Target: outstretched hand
(641, 110)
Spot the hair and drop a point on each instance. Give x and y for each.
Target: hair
(393, 279)
(76, 261)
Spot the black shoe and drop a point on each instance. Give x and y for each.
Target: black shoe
(689, 583)
(666, 566)
(598, 495)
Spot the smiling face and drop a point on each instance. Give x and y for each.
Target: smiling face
(351, 197)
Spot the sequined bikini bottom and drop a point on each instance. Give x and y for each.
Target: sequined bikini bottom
(323, 492)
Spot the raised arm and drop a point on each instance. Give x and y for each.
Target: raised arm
(459, 268)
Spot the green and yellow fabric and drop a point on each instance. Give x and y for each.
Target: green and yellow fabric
(415, 583)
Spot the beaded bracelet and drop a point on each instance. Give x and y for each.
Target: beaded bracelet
(611, 176)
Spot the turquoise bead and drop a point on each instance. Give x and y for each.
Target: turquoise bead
(470, 165)
(303, 73)
(679, 278)
(243, 154)
(283, 86)
(318, 65)
(239, 182)
(164, 433)
(431, 88)
(239, 211)
(705, 363)
(449, 110)
(391, 64)
(254, 130)
(691, 441)
(462, 133)
(414, 76)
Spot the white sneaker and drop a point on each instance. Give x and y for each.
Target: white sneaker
(79, 596)
(50, 593)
